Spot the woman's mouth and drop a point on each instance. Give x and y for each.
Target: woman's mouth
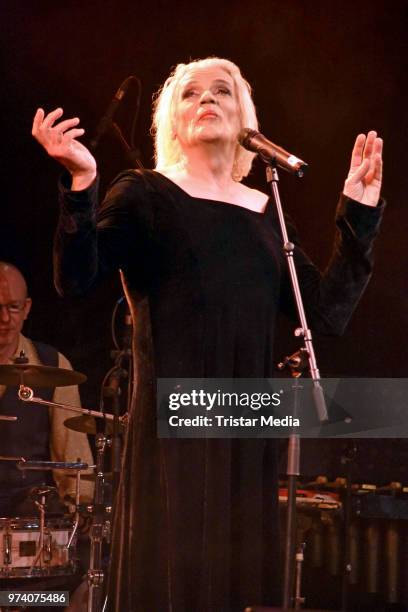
(208, 115)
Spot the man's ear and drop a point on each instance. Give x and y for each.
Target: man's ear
(27, 307)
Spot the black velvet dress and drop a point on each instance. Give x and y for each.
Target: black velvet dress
(196, 520)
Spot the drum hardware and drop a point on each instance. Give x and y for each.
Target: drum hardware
(25, 464)
(96, 575)
(44, 550)
(20, 542)
(299, 600)
(3, 458)
(26, 395)
(95, 578)
(4, 417)
(7, 549)
(110, 388)
(36, 493)
(100, 527)
(87, 424)
(21, 359)
(86, 511)
(27, 376)
(40, 556)
(19, 545)
(107, 477)
(31, 375)
(107, 527)
(76, 519)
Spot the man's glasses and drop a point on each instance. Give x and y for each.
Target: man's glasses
(14, 307)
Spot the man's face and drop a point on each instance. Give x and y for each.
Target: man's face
(14, 308)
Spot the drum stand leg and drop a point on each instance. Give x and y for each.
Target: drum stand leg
(95, 572)
(40, 551)
(76, 522)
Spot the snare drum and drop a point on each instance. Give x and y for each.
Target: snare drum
(19, 539)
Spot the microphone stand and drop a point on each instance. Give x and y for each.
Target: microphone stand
(293, 461)
(108, 124)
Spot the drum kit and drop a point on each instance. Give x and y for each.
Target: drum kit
(44, 546)
(338, 522)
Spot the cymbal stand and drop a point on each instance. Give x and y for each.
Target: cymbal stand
(112, 390)
(98, 530)
(26, 394)
(112, 385)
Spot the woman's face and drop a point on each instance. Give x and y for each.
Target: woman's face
(206, 108)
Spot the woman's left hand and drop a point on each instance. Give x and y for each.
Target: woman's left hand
(363, 183)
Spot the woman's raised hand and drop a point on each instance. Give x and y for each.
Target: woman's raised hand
(364, 178)
(59, 140)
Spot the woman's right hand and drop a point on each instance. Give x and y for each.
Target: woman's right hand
(59, 140)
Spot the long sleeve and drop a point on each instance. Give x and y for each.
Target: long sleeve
(92, 242)
(330, 298)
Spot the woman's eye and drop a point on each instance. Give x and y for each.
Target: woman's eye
(188, 93)
(224, 91)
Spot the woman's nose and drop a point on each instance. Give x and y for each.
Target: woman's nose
(207, 97)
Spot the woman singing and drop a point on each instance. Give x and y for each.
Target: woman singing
(203, 269)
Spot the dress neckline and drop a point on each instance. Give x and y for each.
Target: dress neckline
(210, 200)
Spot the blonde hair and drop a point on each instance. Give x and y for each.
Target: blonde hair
(167, 148)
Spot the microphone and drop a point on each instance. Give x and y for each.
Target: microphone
(110, 112)
(269, 152)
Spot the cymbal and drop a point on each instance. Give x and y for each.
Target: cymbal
(87, 424)
(33, 375)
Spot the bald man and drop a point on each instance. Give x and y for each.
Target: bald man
(39, 433)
